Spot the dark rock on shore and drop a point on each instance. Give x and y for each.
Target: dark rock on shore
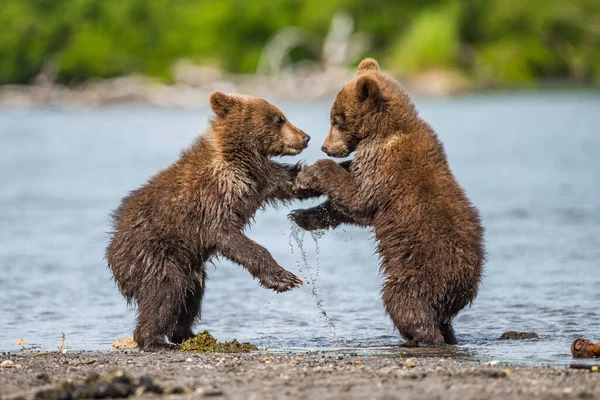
(514, 335)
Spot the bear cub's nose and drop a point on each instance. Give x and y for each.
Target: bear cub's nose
(324, 149)
(306, 140)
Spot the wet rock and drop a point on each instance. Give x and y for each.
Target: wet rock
(581, 348)
(514, 335)
(593, 368)
(491, 373)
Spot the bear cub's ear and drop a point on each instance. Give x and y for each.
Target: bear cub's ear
(221, 103)
(367, 88)
(368, 64)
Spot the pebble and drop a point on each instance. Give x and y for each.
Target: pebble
(7, 364)
(410, 363)
(208, 392)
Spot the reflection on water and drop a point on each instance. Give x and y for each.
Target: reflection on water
(530, 163)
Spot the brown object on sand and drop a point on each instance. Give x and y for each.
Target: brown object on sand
(581, 348)
(125, 343)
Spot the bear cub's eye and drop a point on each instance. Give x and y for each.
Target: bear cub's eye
(279, 120)
(337, 121)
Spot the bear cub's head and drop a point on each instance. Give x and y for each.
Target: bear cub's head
(256, 124)
(371, 105)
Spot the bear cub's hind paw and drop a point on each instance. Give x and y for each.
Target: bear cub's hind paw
(160, 347)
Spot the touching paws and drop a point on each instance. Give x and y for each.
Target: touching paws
(306, 179)
(280, 280)
(311, 177)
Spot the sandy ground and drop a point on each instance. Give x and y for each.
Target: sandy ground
(263, 375)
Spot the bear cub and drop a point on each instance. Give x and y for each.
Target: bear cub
(430, 237)
(168, 229)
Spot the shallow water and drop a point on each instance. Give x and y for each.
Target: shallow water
(531, 163)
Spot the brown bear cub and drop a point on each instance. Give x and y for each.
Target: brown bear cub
(167, 230)
(430, 238)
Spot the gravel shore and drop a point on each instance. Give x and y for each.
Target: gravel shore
(313, 375)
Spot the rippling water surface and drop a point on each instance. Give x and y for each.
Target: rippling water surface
(531, 163)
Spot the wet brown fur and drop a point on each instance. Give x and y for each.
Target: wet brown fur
(167, 230)
(430, 237)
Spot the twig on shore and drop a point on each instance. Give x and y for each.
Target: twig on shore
(61, 349)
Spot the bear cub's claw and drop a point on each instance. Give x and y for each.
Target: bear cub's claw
(281, 281)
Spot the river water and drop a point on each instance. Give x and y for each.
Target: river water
(530, 162)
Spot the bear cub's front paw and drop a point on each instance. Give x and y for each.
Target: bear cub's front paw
(306, 179)
(307, 220)
(280, 280)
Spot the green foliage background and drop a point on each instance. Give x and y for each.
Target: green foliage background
(506, 42)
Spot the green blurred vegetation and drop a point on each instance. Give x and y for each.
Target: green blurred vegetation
(502, 42)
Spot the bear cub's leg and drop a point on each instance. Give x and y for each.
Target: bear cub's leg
(190, 312)
(448, 333)
(414, 318)
(158, 313)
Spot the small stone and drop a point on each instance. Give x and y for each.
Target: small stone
(595, 368)
(410, 363)
(107, 390)
(176, 390)
(209, 392)
(492, 363)
(44, 377)
(188, 360)
(21, 342)
(7, 364)
(148, 384)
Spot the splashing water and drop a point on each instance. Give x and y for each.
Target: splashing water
(267, 307)
(297, 235)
